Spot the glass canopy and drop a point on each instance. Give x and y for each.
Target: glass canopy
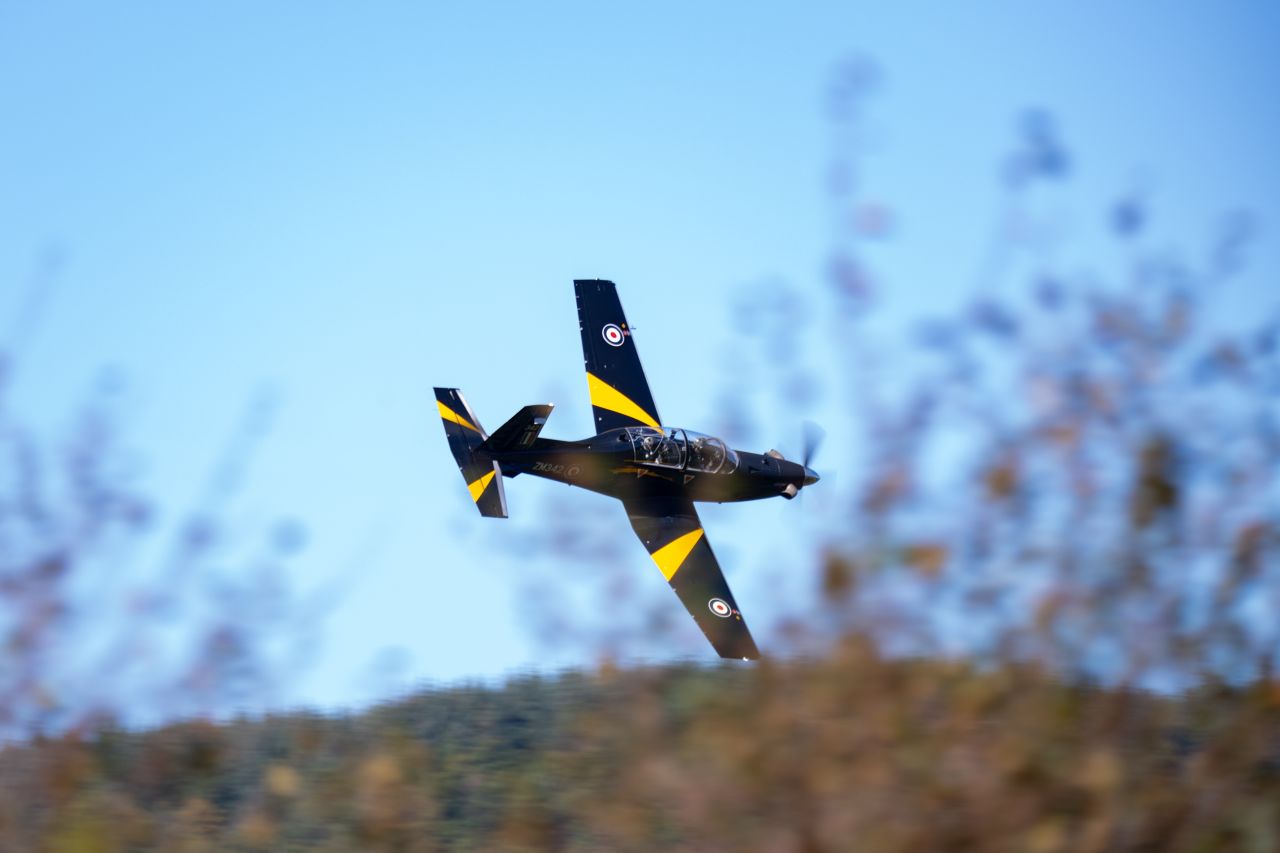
(672, 447)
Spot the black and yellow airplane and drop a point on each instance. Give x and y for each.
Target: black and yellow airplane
(657, 472)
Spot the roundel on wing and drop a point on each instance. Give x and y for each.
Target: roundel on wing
(719, 607)
(613, 336)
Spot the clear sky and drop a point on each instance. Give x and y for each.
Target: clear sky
(346, 204)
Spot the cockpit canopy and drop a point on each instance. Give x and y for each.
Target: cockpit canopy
(672, 447)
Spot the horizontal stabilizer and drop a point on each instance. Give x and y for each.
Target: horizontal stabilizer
(520, 432)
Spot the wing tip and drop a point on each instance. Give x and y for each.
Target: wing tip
(739, 653)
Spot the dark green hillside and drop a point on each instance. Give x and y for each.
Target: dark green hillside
(851, 753)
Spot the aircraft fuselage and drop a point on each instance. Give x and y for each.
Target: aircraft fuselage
(607, 464)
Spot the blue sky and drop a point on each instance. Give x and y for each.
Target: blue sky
(347, 204)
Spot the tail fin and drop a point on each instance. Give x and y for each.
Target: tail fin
(521, 431)
(466, 437)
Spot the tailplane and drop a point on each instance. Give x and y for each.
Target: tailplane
(467, 442)
(521, 431)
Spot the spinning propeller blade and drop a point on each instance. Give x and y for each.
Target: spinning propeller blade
(813, 436)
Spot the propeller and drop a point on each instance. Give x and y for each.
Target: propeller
(813, 436)
(811, 440)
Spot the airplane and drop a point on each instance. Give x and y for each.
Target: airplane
(658, 472)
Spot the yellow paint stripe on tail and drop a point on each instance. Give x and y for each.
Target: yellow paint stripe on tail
(671, 557)
(450, 415)
(605, 396)
(477, 488)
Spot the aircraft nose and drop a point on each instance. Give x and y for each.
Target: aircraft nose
(810, 476)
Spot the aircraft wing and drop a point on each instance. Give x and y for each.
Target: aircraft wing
(619, 392)
(672, 533)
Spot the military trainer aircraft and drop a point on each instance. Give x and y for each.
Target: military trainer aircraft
(656, 471)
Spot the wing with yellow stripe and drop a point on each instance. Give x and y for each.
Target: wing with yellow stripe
(672, 533)
(619, 391)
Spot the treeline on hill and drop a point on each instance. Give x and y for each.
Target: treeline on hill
(854, 752)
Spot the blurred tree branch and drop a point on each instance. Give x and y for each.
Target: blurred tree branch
(111, 605)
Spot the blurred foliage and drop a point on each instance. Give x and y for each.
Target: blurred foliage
(1080, 467)
(1043, 620)
(113, 606)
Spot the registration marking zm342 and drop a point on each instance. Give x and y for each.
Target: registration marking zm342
(564, 470)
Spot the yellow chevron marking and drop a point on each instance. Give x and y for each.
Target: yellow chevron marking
(605, 396)
(477, 488)
(450, 415)
(671, 557)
